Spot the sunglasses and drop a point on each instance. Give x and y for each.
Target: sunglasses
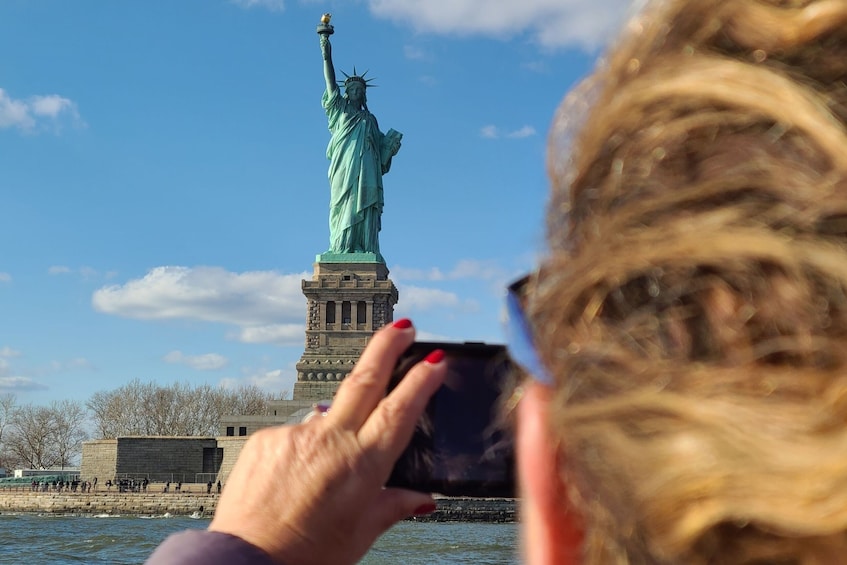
(519, 338)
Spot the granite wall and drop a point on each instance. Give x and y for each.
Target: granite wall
(99, 459)
(135, 504)
(231, 448)
(174, 459)
(194, 500)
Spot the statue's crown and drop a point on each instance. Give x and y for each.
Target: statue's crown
(357, 78)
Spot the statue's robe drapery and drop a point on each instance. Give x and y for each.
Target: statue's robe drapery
(355, 153)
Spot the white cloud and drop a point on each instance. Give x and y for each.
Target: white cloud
(79, 363)
(418, 298)
(552, 23)
(275, 381)
(404, 273)
(50, 106)
(7, 351)
(11, 380)
(476, 269)
(5, 277)
(464, 269)
(14, 113)
(74, 364)
(209, 294)
(86, 273)
(37, 111)
(526, 131)
(280, 334)
(272, 5)
(493, 132)
(415, 53)
(17, 384)
(422, 335)
(536, 66)
(489, 132)
(587, 24)
(205, 362)
(268, 379)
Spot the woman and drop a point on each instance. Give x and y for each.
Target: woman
(692, 307)
(359, 155)
(688, 399)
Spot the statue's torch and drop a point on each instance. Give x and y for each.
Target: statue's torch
(324, 28)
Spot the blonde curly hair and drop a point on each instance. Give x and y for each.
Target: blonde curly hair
(693, 302)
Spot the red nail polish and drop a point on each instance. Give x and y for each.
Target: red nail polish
(435, 356)
(403, 324)
(424, 509)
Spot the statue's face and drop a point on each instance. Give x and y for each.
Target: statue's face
(355, 91)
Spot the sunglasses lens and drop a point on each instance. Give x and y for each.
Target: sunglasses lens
(519, 334)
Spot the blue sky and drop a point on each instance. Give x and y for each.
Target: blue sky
(163, 181)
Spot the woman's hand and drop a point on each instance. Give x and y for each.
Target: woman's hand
(313, 493)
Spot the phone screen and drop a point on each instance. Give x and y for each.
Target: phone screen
(462, 445)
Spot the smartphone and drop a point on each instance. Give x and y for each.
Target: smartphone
(462, 445)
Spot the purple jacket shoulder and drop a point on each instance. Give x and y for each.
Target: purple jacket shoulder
(196, 547)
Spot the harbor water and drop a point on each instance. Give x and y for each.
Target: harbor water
(115, 540)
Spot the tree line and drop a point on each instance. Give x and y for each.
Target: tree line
(46, 437)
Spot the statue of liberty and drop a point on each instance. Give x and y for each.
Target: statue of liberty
(359, 154)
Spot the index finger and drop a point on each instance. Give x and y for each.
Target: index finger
(391, 425)
(362, 390)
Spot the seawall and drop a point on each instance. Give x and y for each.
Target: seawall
(492, 510)
(189, 502)
(130, 503)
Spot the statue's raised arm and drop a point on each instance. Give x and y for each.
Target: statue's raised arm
(359, 154)
(324, 31)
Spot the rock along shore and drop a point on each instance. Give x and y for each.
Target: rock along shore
(491, 510)
(187, 503)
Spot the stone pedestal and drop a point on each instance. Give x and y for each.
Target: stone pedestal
(349, 297)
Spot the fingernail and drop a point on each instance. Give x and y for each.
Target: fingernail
(435, 356)
(424, 509)
(403, 324)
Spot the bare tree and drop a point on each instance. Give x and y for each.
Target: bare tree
(8, 406)
(43, 437)
(107, 414)
(123, 411)
(31, 440)
(69, 419)
(175, 410)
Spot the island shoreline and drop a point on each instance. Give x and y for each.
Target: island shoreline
(492, 510)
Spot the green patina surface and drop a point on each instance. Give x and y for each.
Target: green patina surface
(359, 155)
(329, 257)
